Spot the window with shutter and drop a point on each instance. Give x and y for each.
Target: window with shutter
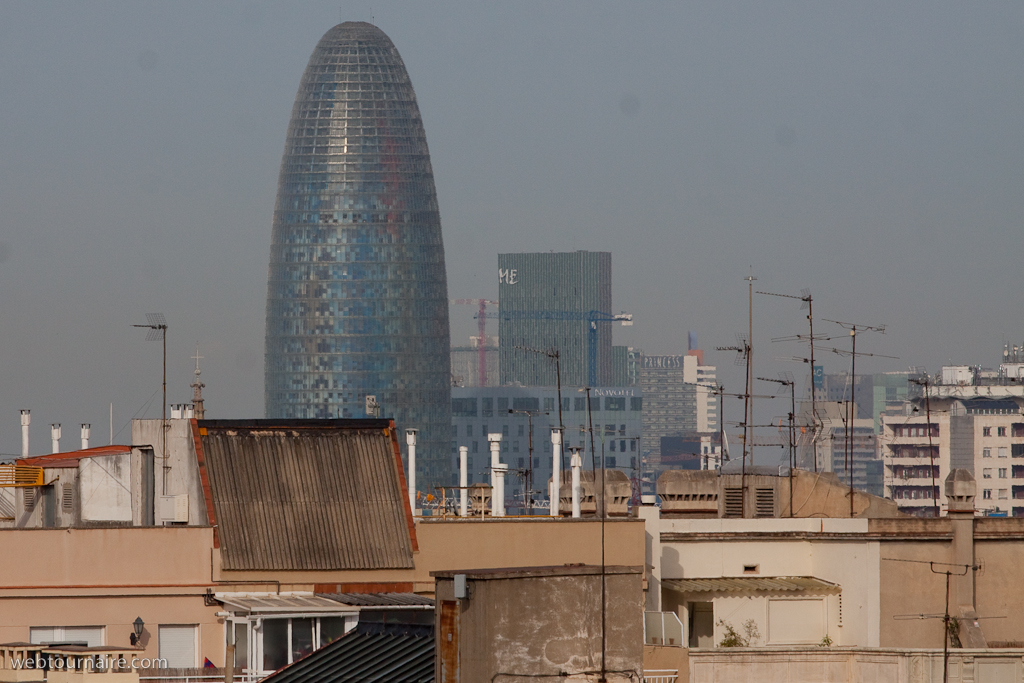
(67, 497)
(29, 496)
(178, 646)
(92, 636)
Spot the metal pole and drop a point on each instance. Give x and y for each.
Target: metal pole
(851, 411)
(931, 451)
(463, 481)
(945, 632)
(814, 412)
(528, 494)
(163, 413)
(792, 440)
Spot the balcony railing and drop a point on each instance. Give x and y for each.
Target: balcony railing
(661, 675)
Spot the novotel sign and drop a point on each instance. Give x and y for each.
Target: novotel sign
(662, 361)
(615, 392)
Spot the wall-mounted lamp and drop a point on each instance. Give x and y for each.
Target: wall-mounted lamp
(138, 625)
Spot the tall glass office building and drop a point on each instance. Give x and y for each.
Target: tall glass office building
(357, 300)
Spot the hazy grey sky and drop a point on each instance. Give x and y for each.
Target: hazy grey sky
(870, 151)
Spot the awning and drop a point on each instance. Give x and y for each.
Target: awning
(746, 584)
(282, 604)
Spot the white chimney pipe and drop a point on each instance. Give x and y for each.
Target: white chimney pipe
(556, 470)
(498, 499)
(55, 437)
(410, 441)
(176, 411)
(494, 441)
(577, 464)
(463, 481)
(26, 420)
(86, 431)
(190, 411)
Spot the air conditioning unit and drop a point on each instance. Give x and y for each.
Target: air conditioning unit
(174, 509)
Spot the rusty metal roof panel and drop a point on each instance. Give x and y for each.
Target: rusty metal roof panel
(306, 497)
(797, 584)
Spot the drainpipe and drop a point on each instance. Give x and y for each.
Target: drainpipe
(26, 419)
(86, 431)
(556, 470)
(498, 501)
(577, 464)
(410, 441)
(463, 481)
(55, 437)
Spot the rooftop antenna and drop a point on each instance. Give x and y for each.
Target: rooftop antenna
(157, 325)
(949, 630)
(923, 381)
(808, 303)
(197, 388)
(786, 379)
(851, 411)
(750, 382)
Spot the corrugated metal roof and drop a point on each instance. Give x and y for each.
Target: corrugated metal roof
(365, 658)
(379, 599)
(310, 495)
(266, 604)
(800, 584)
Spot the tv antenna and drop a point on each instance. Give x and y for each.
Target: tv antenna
(931, 450)
(786, 379)
(157, 326)
(808, 303)
(851, 410)
(950, 624)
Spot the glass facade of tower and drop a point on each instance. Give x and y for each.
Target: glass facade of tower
(545, 302)
(357, 300)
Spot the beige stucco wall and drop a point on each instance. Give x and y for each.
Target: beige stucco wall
(721, 547)
(517, 542)
(860, 665)
(108, 577)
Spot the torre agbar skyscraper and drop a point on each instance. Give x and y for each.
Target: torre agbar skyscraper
(357, 300)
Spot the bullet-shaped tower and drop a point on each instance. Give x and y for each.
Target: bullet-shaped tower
(357, 300)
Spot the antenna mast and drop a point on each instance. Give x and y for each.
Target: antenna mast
(851, 406)
(157, 325)
(197, 389)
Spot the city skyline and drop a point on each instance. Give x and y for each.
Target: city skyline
(871, 154)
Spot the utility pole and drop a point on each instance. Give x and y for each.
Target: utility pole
(554, 355)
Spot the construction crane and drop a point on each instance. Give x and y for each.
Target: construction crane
(591, 317)
(481, 328)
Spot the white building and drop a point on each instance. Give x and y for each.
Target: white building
(982, 435)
